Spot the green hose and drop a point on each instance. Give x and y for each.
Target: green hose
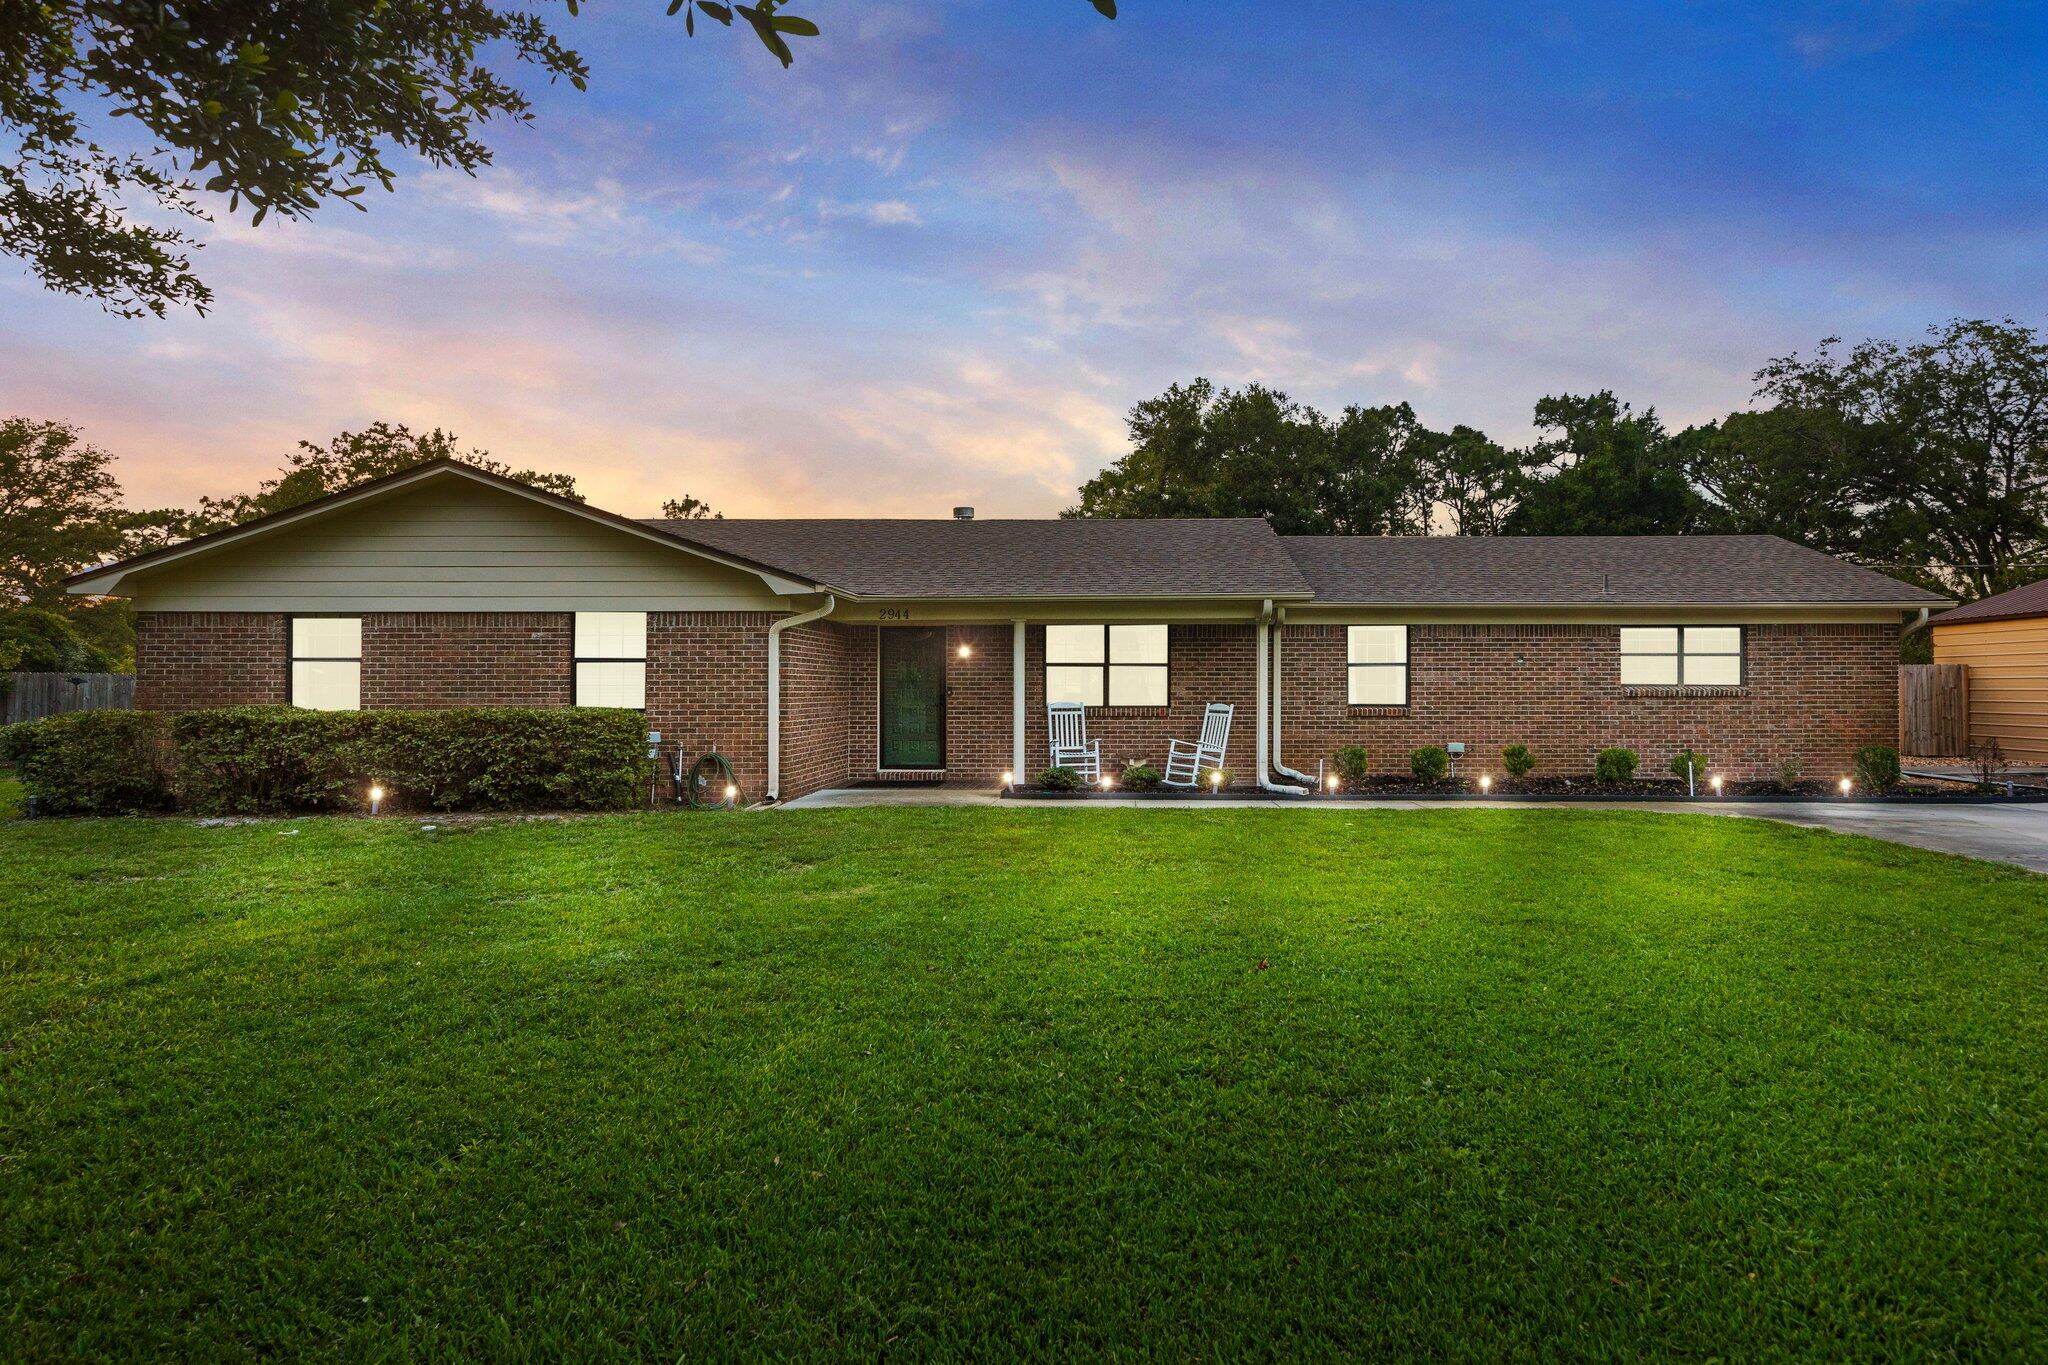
(705, 789)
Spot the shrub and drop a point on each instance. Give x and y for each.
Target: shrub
(1615, 765)
(1430, 763)
(1693, 756)
(247, 759)
(1140, 777)
(1788, 773)
(92, 762)
(1877, 767)
(1060, 780)
(1350, 763)
(1517, 759)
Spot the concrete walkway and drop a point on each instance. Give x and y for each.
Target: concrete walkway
(2003, 834)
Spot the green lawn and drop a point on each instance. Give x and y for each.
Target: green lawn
(958, 1082)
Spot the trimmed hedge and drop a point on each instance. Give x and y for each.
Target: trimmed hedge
(246, 760)
(92, 762)
(1615, 765)
(1430, 763)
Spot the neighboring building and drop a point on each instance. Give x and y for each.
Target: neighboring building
(917, 650)
(2004, 642)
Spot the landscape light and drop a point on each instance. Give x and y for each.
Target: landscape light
(1715, 783)
(1216, 780)
(376, 797)
(732, 793)
(1845, 786)
(1485, 783)
(966, 651)
(1333, 784)
(1107, 782)
(1009, 778)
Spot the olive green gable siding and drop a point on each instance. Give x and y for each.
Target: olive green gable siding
(449, 546)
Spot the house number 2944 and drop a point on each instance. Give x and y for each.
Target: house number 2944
(895, 613)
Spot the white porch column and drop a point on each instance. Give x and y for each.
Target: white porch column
(1017, 700)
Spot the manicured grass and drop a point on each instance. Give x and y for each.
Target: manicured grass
(976, 1082)
(11, 797)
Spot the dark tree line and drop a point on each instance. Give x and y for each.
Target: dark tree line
(1928, 460)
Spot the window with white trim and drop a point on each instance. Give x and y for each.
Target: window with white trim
(1103, 665)
(1376, 662)
(1681, 656)
(611, 659)
(327, 663)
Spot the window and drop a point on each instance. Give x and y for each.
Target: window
(327, 663)
(1691, 656)
(1106, 665)
(1377, 661)
(611, 659)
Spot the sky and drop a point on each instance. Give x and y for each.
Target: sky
(938, 260)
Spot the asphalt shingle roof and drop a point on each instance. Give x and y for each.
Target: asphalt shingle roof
(1217, 557)
(2031, 600)
(1584, 571)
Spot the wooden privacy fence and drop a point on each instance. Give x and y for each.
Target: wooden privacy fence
(1934, 710)
(36, 695)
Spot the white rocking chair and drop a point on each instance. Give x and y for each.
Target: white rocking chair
(1186, 761)
(1066, 725)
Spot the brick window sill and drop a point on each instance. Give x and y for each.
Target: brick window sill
(1681, 691)
(1368, 712)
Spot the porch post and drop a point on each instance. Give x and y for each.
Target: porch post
(1017, 699)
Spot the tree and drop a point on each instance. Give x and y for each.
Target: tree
(1957, 426)
(60, 511)
(276, 106)
(687, 508)
(1474, 480)
(1786, 471)
(1613, 472)
(351, 458)
(1200, 451)
(42, 641)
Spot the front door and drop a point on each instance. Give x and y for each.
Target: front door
(914, 697)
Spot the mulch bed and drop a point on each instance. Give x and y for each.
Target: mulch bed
(1583, 788)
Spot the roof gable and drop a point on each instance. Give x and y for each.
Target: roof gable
(108, 578)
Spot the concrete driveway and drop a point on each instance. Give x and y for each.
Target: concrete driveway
(2015, 834)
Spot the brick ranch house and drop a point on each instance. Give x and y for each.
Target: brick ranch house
(816, 653)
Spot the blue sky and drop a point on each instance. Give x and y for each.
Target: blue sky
(939, 259)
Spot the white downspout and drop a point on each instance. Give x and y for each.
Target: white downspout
(1265, 706)
(1279, 723)
(1017, 701)
(775, 629)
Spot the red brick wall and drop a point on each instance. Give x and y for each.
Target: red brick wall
(817, 662)
(707, 684)
(188, 659)
(429, 660)
(1814, 694)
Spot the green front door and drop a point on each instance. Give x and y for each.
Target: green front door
(914, 698)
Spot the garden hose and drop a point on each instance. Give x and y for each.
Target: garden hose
(705, 788)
